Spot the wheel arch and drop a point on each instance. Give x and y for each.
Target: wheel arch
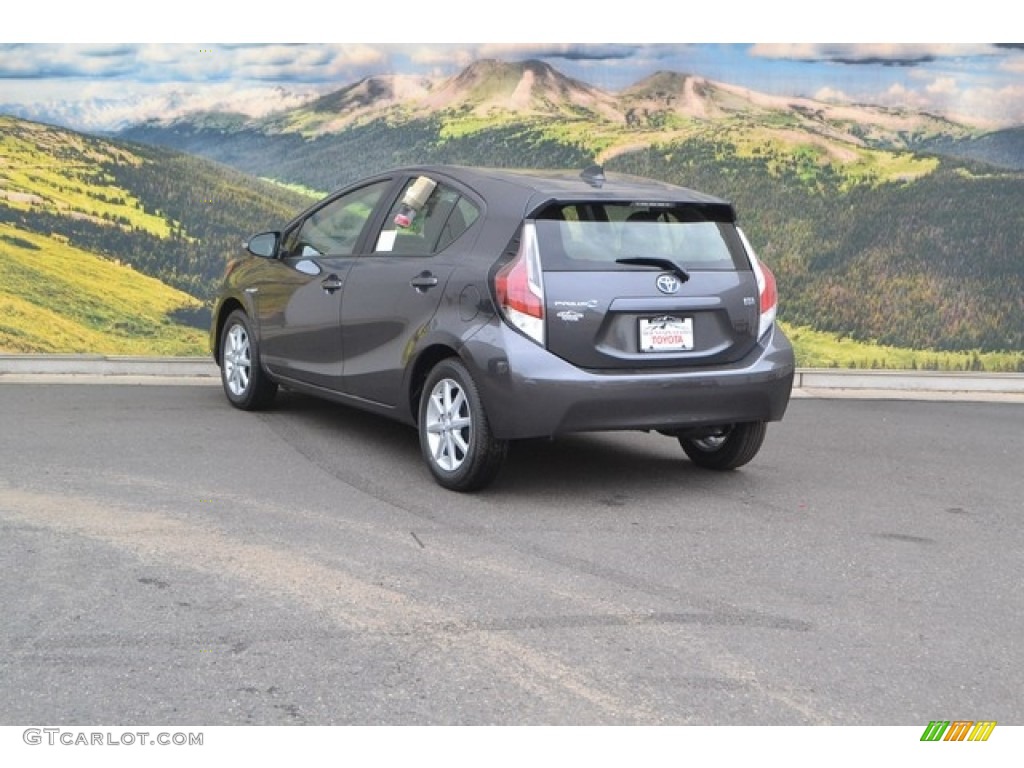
(424, 364)
(228, 306)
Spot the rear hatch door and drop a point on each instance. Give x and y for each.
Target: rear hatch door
(630, 285)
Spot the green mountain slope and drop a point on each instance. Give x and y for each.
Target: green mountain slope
(108, 247)
(57, 298)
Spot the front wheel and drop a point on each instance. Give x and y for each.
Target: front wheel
(730, 447)
(455, 436)
(245, 384)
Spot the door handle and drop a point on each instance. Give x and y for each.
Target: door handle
(331, 283)
(423, 281)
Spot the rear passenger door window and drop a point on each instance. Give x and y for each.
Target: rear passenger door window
(441, 220)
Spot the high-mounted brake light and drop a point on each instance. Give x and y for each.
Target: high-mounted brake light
(519, 286)
(767, 291)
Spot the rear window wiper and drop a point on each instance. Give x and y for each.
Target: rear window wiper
(654, 261)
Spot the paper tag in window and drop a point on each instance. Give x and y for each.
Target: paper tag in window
(386, 241)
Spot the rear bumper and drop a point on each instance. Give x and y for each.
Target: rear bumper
(528, 392)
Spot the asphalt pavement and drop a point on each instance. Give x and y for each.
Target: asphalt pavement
(169, 559)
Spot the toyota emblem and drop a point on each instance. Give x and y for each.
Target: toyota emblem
(668, 283)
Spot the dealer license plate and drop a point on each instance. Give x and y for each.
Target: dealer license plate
(666, 334)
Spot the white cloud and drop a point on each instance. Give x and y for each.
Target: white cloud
(192, 62)
(901, 97)
(459, 55)
(943, 86)
(985, 106)
(1003, 106)
(113, 105)
(1013, 64)
(832, 95)
(799, 51)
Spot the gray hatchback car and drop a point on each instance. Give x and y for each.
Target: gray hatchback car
(485, 306)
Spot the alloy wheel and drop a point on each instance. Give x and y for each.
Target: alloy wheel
(449, 423)
(237, 360)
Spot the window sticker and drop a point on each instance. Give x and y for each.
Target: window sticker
(386, 241)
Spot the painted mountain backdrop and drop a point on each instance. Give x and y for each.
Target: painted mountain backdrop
(113, 249)
(883, 225)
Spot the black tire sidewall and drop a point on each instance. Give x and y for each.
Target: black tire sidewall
(485, 454)
(259, 390)
(740, 446)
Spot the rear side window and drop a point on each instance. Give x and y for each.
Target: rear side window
(443, 218)
(591, 236)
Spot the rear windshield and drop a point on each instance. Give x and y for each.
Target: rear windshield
(591, 236)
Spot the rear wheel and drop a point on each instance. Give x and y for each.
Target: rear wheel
(455, 436)
(730, 447)
(245, 384)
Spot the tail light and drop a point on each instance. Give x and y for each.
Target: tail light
(519, 286)
(767, 292)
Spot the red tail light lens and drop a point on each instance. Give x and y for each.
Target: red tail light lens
(519, 286)
(767, 292)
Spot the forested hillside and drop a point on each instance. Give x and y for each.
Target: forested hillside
(106, 246)
(1003, 148)
(936, 263)
(333, 160)
(168, 215)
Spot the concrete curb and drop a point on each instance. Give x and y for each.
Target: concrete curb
(101, 365)
(809, 383)
(921, 381)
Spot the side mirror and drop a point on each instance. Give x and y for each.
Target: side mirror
(263, 245)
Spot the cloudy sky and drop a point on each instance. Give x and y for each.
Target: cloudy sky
(107, 85)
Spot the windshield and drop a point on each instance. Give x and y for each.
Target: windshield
(593, 236)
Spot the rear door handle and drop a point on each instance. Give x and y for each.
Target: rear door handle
(331, 283)
(423, 281)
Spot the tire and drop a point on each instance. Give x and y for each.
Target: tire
(735, 446)
(455, 435)
(245, 382)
